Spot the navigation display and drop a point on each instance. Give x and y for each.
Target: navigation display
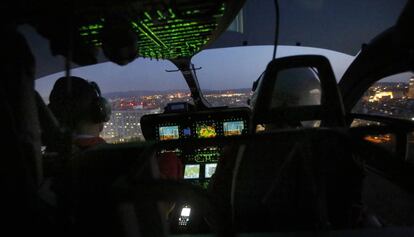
(209, 170)
(169, 133)
(206, 130)
(233, 128)
(192, 171)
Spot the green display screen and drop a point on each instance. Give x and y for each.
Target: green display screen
(192, 171)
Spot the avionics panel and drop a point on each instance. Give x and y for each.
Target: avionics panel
(199, 174)
(204, 124)
(199, 161)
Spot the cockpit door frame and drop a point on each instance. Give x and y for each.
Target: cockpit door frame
(185, 66)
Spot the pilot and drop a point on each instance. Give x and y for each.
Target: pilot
(84, 111)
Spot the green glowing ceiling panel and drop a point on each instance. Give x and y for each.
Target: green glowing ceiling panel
(167, 32)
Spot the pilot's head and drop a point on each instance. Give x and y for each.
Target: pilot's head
(75, 101)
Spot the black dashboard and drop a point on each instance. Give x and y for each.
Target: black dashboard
(199, 161)
(202, 124)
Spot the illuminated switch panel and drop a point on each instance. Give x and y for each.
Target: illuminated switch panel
(184, 216)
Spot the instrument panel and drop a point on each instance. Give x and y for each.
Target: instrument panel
(201, 129)
(199, 162)
(203, 124)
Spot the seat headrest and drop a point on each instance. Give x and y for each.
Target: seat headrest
(296, 89)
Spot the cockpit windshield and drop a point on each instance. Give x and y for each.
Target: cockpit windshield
(141, 87)
(226, 75)
(146, 86)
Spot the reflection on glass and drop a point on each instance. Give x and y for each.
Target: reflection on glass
(387, 141)
(363, 122)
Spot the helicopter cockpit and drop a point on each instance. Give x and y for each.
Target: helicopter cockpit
(307, 150)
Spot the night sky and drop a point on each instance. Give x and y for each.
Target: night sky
(227, 68)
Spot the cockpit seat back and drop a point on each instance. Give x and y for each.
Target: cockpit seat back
(302, 179)
(290, 177)
(296, 89)
(93, 189)
(21, 172)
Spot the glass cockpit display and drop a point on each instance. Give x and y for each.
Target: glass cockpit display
(209, 170)
(169, 133)
(187, 132)
(206, 130)
(192, 171)
(178, 133)
(233, 128)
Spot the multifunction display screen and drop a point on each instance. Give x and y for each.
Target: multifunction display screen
(206, 130)
(233, 128)
(169, 133)
(192, 171)
(209, 170)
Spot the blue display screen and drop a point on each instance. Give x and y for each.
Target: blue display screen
(187, 132)
(169, 133)
(233, 128)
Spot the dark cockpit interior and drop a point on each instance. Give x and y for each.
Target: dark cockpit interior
(295, 160)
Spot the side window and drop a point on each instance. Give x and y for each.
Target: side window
(237, 24)
(391, 97)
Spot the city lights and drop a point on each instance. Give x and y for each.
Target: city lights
(392, 99)
(125, 125)
(380, 95)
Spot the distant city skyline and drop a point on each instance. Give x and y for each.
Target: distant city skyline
(225, 68)
(221, 69)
